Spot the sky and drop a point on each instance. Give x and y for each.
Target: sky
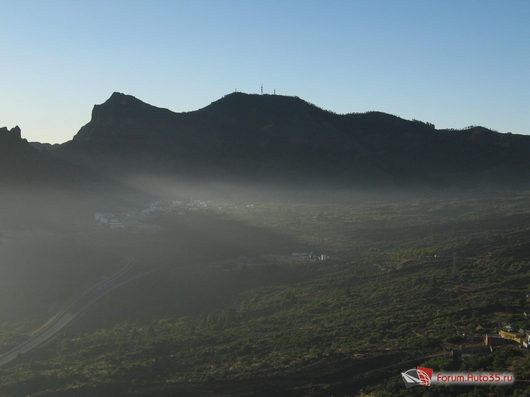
(453, 63)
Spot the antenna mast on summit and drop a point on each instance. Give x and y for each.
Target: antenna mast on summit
(262, 89)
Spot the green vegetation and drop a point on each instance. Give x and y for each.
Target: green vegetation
(405, 280)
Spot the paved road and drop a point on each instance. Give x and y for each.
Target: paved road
(61, 320)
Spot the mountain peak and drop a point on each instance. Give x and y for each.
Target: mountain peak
(119, 98)
(120, 114)
(14, 133)
(260, 98)
(120, 104)
(268, 105)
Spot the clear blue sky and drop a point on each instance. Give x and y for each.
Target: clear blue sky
(454, 63)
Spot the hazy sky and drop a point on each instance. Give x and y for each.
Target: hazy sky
(454, 63)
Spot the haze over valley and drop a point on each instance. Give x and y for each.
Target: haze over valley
(260, 244)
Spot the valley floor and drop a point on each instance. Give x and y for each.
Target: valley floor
(404, 281)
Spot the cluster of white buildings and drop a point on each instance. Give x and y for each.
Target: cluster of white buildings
(108, 219)
(268, 259)
(135, 219)
(302, 257)
(138, 219)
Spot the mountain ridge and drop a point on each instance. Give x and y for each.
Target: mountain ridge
(275, 137)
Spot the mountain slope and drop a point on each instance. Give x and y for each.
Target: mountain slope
(20, 162)
(29, 164)
(285, 138)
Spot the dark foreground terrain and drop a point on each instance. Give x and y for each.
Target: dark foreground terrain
(378, 283)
